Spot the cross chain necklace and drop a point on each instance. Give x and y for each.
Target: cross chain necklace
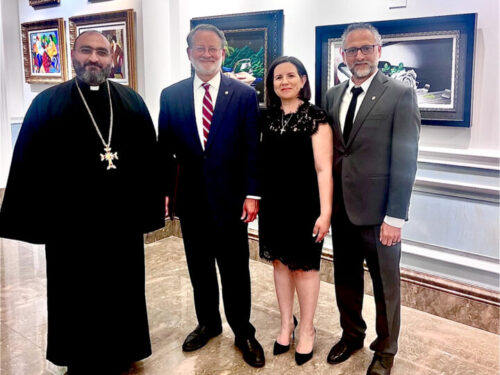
(284, 124)
(108, 155)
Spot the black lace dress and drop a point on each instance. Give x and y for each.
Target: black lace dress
(290, 202)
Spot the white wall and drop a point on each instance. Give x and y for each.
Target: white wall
(12, 74)
(454, 226)
(301, 18)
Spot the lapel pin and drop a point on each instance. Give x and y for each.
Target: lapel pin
(373, 97)
(227, 92)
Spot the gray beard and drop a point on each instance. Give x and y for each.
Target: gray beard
(362, 73)
(92, 78)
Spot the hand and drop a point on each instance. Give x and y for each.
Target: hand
(250, 210)
(242, 77)
(167, 200)
(321, 228)
(389, 235)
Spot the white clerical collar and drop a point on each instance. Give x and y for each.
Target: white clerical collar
(214, 82)
(365, 85)
(94, 88)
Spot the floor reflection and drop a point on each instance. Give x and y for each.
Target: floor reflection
(428, 344)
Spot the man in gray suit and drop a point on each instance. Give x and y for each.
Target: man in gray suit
(376, 125)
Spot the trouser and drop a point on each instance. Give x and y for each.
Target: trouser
(207, 243)
(352, 245)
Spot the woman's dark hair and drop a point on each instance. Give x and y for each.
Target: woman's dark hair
(273, 100)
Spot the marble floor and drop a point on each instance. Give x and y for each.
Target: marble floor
(428, 344)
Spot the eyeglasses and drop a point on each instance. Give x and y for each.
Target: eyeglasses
(365, 50)
(201, 50)
(101, 52)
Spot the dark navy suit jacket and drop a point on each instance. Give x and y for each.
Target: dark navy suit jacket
(222, 175)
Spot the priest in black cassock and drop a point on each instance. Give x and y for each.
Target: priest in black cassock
(82, 183)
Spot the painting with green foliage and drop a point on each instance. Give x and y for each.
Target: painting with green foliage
(246, 52)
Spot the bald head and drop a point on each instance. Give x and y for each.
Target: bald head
(90, 34)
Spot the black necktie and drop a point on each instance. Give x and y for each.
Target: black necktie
(350, 112)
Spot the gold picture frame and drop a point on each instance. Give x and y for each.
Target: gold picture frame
(118, 26)
(37, 3)
(44, 51)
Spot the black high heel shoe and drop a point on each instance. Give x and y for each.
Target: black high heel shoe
(301, 358)
(280, 349)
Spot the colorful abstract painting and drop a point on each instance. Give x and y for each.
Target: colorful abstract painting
(45, 54)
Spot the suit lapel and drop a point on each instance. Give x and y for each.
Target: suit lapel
(221, 105)
(337, 100)
(191, 128)
(373, 95)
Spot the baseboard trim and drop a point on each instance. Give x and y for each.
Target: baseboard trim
(472, 293)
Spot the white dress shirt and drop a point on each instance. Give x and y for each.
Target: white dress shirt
(199, 93)
(344, 105)
(346, 100)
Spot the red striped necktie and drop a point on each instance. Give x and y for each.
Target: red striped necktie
(207, 112)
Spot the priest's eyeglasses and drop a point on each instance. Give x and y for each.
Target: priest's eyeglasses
(365, 50)
(101, 52)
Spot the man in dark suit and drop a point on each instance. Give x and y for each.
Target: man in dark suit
(376, 126)
(208, 134)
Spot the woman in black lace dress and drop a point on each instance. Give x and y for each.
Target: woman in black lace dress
(296, 193)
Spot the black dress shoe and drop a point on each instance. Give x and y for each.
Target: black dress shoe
(381, 365)
(199, 338)
(280, 349)
(253, 354)
(342, 350)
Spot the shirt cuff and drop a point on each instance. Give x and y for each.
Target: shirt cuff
(253, 197)
(394, 221)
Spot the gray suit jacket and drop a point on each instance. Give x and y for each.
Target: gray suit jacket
(377, 166)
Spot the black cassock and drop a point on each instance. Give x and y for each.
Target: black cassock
(60, 193)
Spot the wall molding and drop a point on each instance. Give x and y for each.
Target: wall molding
(16, 120)
(450, 299)
(436, 282)
(453, 163)
(457, 189)
(469, 158)
(457, 257)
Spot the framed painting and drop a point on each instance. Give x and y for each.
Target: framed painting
(118, 27)
(434, 55)
(40, 3)
(254, 40)
(44, 51)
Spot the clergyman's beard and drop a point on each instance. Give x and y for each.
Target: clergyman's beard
(91, 77)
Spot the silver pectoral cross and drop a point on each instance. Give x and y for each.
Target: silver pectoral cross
(109, 157)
